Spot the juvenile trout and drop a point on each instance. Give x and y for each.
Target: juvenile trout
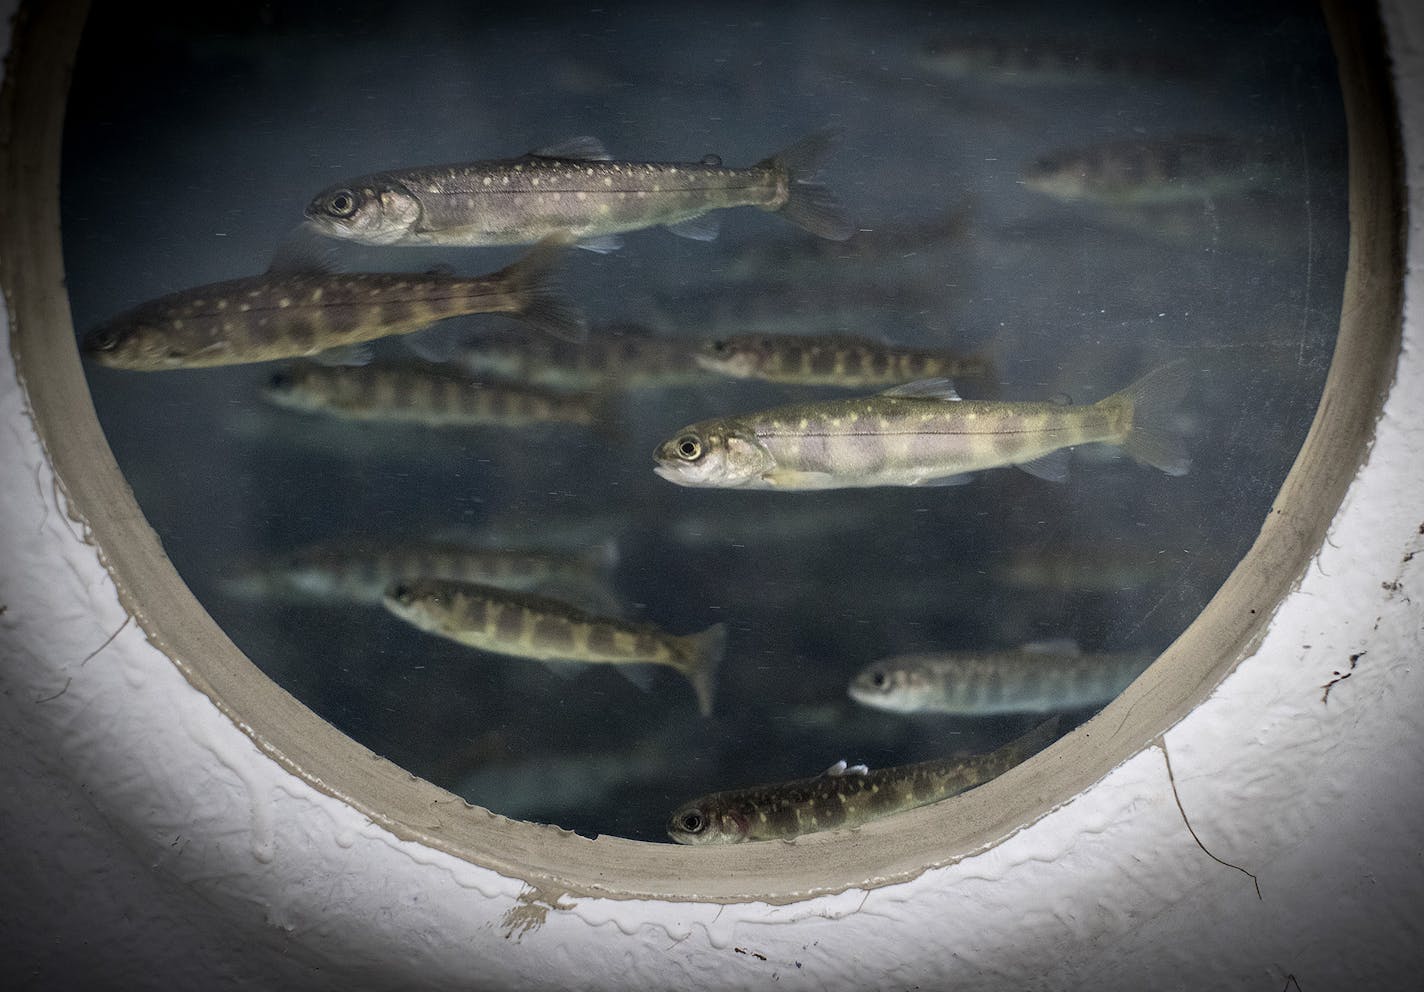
(1036, 678)
(573, 189)
(921, 433)
(1043, 62)
(1140, 173)
(298, 314)
(428, 395)
(360, 570)
(612, 357)
(524, 625)
(844, 797)
(832, 361)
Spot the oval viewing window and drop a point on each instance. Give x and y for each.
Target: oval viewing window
(1055, 217)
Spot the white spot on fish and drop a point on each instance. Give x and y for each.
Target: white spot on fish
(608, 180)
(581, 195)
(488, 180)
(316, 295)
(284, 302)
(505, 180)
(222, 304)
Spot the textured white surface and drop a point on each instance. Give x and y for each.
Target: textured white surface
(148, 844)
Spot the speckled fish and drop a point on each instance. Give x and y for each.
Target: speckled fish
(921, 433)
(574, 189)
(832, 360)
(844, 796)
(300, 312)
(1042, 677)
(524, 625)
(1047, 62)
(427, 395)
(1103, 568)
(611, 357)
(1141, 173)
(360, 570)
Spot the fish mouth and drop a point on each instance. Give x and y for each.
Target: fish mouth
(671, 474)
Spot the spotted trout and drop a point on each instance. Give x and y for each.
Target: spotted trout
(612, 357)
(921, 433)
(1042, 677)
(574, 189)
(843, 796)
(426, 395)
(302, 312)
(524, 625)
(832, 360)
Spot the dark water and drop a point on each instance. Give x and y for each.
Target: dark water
(197, 137)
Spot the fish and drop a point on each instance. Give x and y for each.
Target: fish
(525, 625)
(360, 570)
(574, 189)
(1136, 173)
(832, 360)
(300, 310)
(1040, 677)
(426, 395)
(842, 796)
(620, 356)
(1103, 568)
(1047, 62)
(921, 433)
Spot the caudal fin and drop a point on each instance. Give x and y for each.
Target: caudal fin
(1149, 406)
(540, 304)
(704, 656)
(809, 204)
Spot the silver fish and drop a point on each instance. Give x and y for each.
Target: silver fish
(1041, 677)
(574, 189)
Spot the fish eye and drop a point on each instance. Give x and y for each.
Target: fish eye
(279, 380)
(692, 822)
(721, 347)
(105, 340)
(689, 447)
(399, 592)
(879, 679)
(342, 203)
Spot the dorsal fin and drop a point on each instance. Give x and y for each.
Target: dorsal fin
(841, 768)
(712, 160)
(925, 389)
(583, 148)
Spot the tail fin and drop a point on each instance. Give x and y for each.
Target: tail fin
(1025, 747)
(808, 204)
(1149, 405)
(704, 656)
(541, 305)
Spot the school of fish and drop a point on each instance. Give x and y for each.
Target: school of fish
(552, 372)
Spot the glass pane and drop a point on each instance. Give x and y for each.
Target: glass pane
(1054, 200)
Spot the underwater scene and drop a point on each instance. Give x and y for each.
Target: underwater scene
(707, 422)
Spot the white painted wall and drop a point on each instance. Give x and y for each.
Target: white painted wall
(146, 843)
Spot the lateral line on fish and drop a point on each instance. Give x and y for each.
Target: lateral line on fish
(910, 433)
(600, 190)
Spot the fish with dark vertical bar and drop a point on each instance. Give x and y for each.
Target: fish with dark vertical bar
(921, 433)
(300, 310)
(621, 357)
(1149, 172)
(574, 189)
(1041, 677)
(359, 570)
(842, 796)
(832, 360)
(524, 625)
(426, 395)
